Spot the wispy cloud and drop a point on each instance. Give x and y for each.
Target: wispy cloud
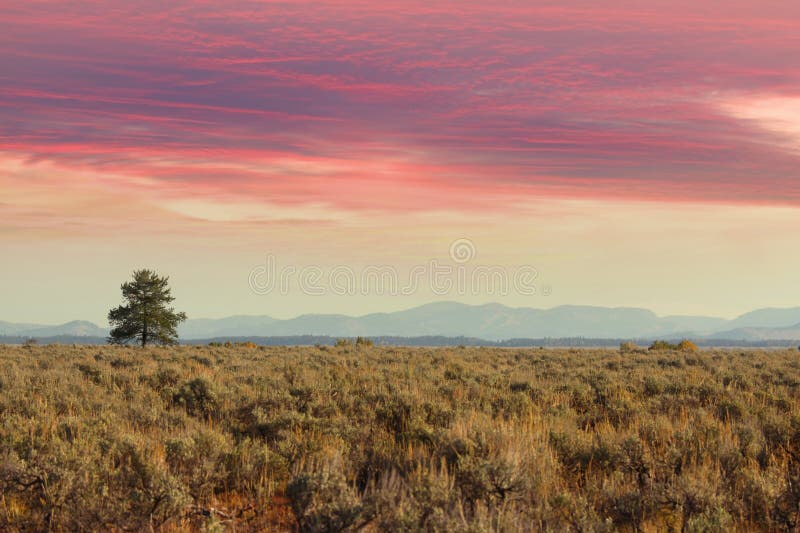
(408, 106)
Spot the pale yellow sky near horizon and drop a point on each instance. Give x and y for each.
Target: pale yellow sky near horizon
(672, 258)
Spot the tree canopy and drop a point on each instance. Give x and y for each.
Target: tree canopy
(146, 316)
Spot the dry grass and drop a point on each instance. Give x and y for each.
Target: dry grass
(327, 439)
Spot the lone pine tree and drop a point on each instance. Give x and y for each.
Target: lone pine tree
(145, 317)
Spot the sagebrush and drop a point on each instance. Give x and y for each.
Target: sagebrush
(397, 439)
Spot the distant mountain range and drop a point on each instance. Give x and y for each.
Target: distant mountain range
(76, 328)
(491, 322)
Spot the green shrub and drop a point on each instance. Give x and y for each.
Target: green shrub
(683, 346)
(323, 501)
(198, 396)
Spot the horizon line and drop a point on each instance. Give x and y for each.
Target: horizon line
(437, 302)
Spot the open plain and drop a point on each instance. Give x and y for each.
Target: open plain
(247, 438)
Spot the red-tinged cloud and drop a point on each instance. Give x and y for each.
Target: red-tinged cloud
(403, 106)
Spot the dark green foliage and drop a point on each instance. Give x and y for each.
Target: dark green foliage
(146, 317)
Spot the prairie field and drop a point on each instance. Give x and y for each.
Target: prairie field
(360, 438)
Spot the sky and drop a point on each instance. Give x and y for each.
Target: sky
(630, 153)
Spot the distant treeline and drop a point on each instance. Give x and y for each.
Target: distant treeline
(548, 342)
(311, 340)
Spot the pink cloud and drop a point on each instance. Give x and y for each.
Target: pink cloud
(407, 105)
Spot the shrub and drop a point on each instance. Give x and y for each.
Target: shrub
(687, 346)
(652, 386)
(628, 347)
(661, 346)
(91, 372)
(364, 342)
(492, 479)
(323, 501)
(683, 346)
(165, 378)
(197, 396)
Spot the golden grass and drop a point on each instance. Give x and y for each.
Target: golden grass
(243, 438)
